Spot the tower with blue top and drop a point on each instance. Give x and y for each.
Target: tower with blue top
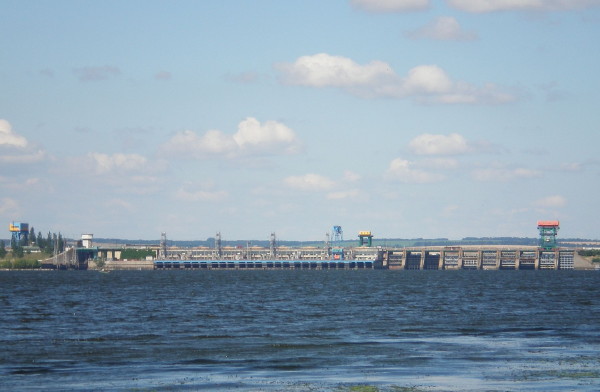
(19, 231)
(337, 237)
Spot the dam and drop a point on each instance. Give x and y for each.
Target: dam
(358, 258)
(331, 256)
(425, 258)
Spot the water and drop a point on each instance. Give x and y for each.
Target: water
(300, 330)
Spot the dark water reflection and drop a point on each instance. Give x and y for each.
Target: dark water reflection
(300, 330)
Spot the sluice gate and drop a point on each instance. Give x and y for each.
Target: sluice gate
(453, 258)
(431, 261)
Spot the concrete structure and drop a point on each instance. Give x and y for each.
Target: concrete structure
(479, 258)
(87, 240)
(548, 231)
(365, 238)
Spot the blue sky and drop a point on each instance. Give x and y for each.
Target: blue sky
(409, 118)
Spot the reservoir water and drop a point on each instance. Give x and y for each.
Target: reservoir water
(366, 330)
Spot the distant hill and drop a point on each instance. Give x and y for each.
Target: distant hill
(384, 242)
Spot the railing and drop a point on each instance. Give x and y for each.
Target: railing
(64, 260)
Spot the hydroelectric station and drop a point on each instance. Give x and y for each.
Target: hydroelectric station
(331, 256)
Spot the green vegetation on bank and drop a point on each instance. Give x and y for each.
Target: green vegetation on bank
(137, 254)
(27, 261)
(591, 253)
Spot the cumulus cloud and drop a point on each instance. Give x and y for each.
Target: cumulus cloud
(406, 171)
(309, 182)
(105, 163)
(97, 73)
(554, 201)
(251, 138)
(480, 6)
(8, 137)
(443, 28)
(425, 83)
(16, 149)
(428, 144)
(390, 5)
(324, 70)
(504, 174)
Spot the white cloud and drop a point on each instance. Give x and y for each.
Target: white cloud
(309, 182)
(443, 28)
(347, 194)
(270, 136)
(351, 176)
(252, 138)
(390, 5)
(405, 171)
(479, 6)
(12, 183)
(8, 137)
(200, 195)
(424, 83)
(554, 201)
(15, 149)
(503, 174)
(22, 157)
(428, 144)
(104, 163)
(324, 70)
(571, 167)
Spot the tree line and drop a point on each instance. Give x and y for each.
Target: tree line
(591, 253)
(46, 244)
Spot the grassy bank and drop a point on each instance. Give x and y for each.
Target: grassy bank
(28, 261)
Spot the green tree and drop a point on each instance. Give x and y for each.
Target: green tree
(2, 249)
(60, 243)
(49, 248)
(18, 253)
(32, 235)
(40, 241)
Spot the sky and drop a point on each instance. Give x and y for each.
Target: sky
(408, 118)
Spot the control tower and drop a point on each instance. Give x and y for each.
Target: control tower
(19, 231)
(548, 231)
(365, 238)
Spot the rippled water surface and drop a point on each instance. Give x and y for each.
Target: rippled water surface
(300, 330)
